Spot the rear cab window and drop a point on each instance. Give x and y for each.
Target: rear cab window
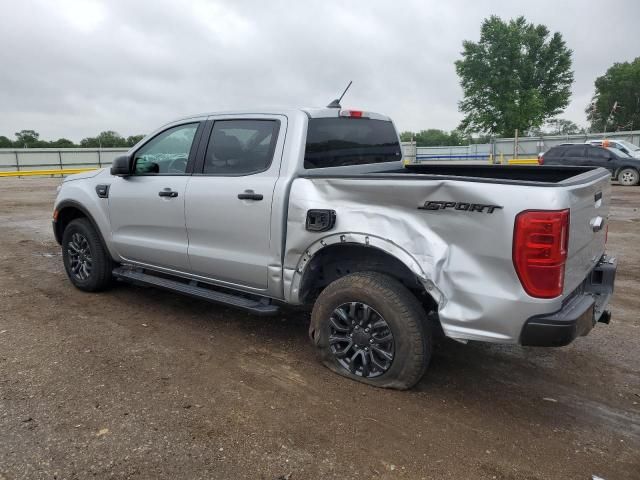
(343, 141)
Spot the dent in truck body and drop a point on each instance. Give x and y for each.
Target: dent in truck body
(464, 257)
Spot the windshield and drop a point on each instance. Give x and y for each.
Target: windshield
(629, 146)
(618, 152)
(337, 142)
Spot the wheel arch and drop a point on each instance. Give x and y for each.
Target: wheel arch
(67, 211)
(623, 167)
(337, 255)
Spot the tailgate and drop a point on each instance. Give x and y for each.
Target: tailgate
(588, 219)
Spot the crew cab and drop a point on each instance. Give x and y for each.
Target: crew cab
(264, 209)
(623, 167)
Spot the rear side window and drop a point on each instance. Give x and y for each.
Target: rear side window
(240, 147)
(554, 152)
(337, 142)
(577, 151)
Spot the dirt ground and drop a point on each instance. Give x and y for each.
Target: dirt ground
(140, 383)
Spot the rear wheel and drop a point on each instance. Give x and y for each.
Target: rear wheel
(628, 177)
(87, 262)
(368, 327)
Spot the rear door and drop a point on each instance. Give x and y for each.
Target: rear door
(229, 200)
(147, 208)
(575, 155)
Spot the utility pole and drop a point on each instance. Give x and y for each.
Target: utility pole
(614, 109)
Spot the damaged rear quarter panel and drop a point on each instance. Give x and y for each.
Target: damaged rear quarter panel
(467, 255)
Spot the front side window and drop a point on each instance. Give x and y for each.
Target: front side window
(167, 153)
(240, 147)
(337, 142)
(599, 153)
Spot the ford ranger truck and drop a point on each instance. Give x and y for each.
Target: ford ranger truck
(261, 209)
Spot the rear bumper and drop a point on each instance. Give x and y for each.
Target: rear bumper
(579, 313)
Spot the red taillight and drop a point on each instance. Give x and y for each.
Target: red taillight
(540, 242)
(352, 113)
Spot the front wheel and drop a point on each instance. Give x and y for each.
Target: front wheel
(87, 262)
(368, 327)
(628, 177)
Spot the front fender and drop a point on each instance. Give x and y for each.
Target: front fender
(81, 195)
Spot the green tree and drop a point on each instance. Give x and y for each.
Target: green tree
(111, 139)
(517, 76)
(89, 142)
(107, 139)
(5, 142)
(406, 136)
(61, 143)
(27, 139)
(563, 126)
(433, 138)
(619, 87)
(556, 126)
(133, 139)
(457, 137)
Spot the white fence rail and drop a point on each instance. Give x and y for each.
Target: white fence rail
(17, 159)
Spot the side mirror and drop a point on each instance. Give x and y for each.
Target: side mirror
(121, 166)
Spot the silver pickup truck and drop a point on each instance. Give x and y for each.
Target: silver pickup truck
(314, 207)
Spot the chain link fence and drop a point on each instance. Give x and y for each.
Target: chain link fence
(504, 150)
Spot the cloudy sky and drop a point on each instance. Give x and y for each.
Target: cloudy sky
(73, 68)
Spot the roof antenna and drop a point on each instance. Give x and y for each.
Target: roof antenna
(336, 102)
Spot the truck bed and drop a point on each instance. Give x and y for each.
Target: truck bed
(504, 174)
(525, 173)
(468, 255)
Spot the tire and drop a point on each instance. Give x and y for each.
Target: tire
(628, 177)
(81, 245)
(388, 300)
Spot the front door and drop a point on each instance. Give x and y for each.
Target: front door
(228, 201)
(601, 157)
(147, 208)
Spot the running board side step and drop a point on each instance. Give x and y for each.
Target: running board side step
(259, 306)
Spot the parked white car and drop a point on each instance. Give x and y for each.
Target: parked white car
(622, 145)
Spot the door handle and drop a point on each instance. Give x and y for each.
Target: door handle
(167, 192)
(596, 223)
(250, 195)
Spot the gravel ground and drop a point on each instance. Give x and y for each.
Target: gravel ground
(140, 383)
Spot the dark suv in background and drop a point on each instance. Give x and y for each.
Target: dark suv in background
(623, 167)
